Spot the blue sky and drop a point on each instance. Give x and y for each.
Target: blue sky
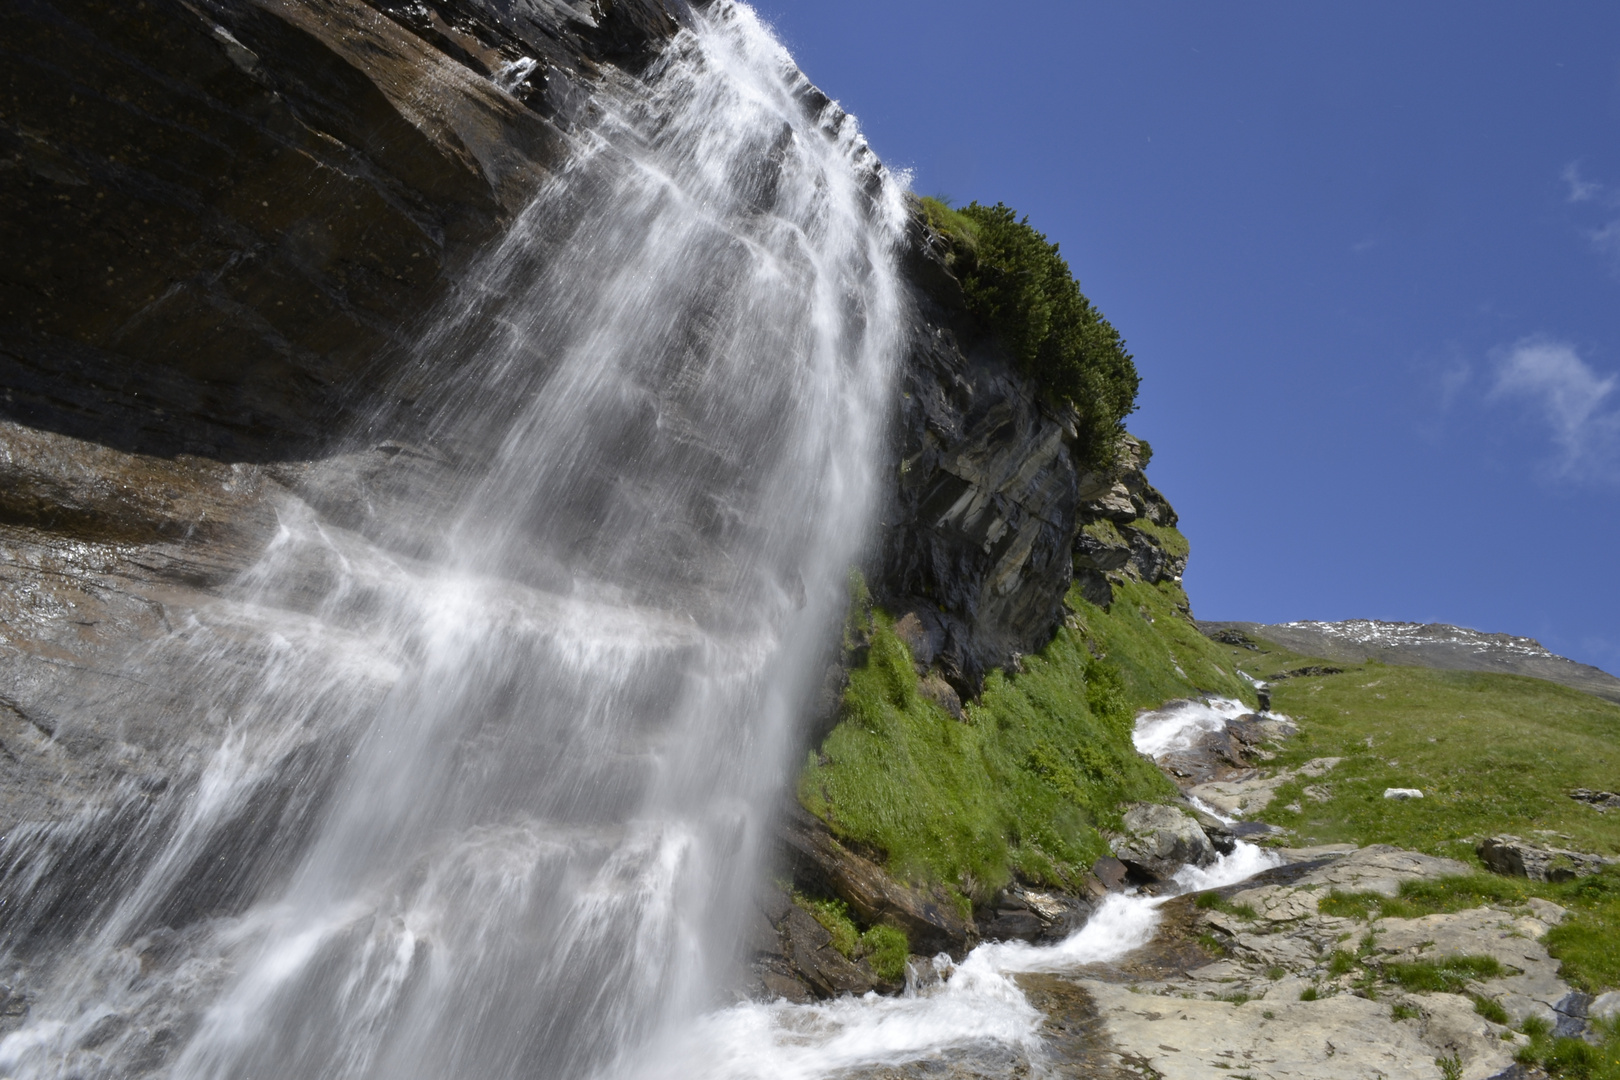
(1367, 257)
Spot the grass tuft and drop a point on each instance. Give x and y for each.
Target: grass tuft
(1446, 976)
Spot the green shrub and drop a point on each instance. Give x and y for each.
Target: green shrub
(886, 949)
(834, 916)
(1021, 290)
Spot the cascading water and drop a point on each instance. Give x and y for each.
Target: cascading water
(489, 809)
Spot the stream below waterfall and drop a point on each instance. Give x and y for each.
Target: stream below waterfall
(972, 1005)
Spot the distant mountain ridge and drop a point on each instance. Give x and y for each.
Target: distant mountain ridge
(1433, 645)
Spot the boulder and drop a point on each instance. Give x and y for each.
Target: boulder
(820, 863)
(1401, 794)
(1111, 872)
(1515, 857)
(1601, 801)
(1159, 840)
(1021, 913)
(1219, 832)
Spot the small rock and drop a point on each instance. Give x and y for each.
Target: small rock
(1402, 793)
(1598, 800)
(1605, 1006)
(934, 687)
(1111, 872)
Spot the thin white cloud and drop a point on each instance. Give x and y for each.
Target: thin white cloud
(1575, 402)
(1580, 190)
(1607, 239)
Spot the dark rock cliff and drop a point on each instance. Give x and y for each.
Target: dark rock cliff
(220, 216)
(989, 520)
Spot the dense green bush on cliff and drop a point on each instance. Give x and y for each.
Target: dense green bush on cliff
(1020, 288)
(1038, 764)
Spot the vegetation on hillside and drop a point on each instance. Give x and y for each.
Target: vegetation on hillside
(1042, 760)
(1020, 289)
(1492, 753)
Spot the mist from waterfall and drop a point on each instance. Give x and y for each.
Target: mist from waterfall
(490, 799)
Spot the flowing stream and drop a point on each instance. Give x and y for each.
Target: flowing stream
(482, 792)
(976, 1003)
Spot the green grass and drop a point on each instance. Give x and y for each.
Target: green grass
(1446, 976)
(1341, 963)
(1404, 1012)
(885, 948)
(1573, 1059)
(1041, 761)
(1147, 634)
(1492, 754)
(1208, 901)
(1490, 1010)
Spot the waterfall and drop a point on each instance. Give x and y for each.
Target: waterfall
(489, 798)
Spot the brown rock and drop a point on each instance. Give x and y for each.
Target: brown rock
(823, 864)
(809, 948)
(1111, 872)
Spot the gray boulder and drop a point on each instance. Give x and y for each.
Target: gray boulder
(1514, 857)
(1159, 840)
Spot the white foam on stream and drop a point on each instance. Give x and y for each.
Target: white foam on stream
(976, 1001)
(1178, 725)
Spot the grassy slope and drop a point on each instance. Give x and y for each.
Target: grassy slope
(1492, 754)
(1039, 762)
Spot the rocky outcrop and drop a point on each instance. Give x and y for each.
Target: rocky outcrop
(1124, 528)
(1514, 857)
(982, 511)
(791, 956)
(1293, 992)
(989, 520)
(222, 217)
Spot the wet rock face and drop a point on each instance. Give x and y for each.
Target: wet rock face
(220, 217)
